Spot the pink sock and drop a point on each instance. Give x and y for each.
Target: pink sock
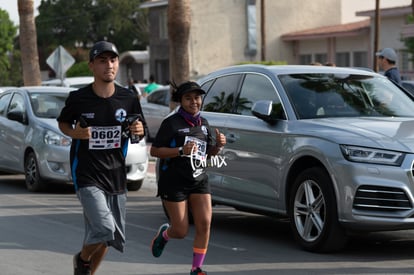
(165, 235)
(198, 257)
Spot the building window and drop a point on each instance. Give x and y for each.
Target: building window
(163, 25)
(360, 59)
(404, 60)
(321, 58)
(305, 59)
(342, 59)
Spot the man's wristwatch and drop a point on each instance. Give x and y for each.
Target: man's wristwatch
(180, 151)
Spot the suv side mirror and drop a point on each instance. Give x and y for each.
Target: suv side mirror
(267, 111)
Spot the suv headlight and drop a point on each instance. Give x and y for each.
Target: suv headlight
(53, 138)
(372, 155)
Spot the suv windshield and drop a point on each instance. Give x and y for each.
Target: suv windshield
(338, 95)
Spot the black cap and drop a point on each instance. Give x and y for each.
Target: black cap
(101, 47)
(186, 87)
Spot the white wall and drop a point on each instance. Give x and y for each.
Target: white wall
(350, 7)
(218, 38)
(218, 32)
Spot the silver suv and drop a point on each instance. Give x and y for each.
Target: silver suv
(330, 148)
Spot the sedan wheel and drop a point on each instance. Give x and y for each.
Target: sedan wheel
(31, 171)
(134, 185)
(313, 212)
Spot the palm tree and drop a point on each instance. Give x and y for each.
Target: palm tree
(179, 23)
(224, 104)
(412, 7)
(376, 34)
(28, 43)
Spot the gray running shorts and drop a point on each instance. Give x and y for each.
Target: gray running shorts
(104, 216)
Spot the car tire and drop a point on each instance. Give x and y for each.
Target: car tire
(33, 180)
(313, 212)
(134, 185)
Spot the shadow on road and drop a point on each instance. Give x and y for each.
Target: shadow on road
(15, 184)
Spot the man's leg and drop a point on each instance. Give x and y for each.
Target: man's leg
(94, 253)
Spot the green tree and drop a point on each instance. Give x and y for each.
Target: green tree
(409, 41)
(79, 69)
(7, 34)
(83, 22)
(221, 103)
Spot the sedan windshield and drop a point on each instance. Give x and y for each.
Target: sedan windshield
(340, 95)
(47, 105)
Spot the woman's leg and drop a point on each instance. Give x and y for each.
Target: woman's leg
(178, 214)
(201, 210)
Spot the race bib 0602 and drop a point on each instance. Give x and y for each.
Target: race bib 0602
(105, 137)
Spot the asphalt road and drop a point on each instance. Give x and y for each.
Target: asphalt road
(39, 233)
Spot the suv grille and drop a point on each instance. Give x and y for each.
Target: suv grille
(380, 198)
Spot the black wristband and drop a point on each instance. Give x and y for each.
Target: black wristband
(180, 151)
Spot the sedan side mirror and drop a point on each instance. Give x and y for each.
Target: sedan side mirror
(18, 116)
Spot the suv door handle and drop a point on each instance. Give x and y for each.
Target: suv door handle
(230, 137)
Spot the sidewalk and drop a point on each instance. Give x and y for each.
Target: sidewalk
(151, 167)
(151, 162)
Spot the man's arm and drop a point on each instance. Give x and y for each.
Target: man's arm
(76, 133)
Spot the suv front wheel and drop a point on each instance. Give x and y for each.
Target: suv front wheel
(313, 212)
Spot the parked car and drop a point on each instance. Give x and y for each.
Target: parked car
(32, 144)
(140, 88)
(74, 82)
(155, 107)
(5, 88)
(408, 85)
(330, 148)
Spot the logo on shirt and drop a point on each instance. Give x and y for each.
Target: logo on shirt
(120, 115)
(204, 129)
(184, 130)
(88, 115)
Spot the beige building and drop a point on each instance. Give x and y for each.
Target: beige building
(229, 32)
(393, 28)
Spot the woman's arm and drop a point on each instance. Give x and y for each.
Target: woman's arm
(166, 152)
(220, 142)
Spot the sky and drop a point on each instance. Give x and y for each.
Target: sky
(359, 5)
(11, 7)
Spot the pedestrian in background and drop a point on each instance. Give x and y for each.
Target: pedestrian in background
(182, 138)
(152, 85)
(95, 118)
(131, 86)
(387, 61)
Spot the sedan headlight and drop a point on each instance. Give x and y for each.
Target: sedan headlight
(53, 138)
(372, 155)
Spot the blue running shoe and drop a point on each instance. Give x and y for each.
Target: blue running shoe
(158, 243)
